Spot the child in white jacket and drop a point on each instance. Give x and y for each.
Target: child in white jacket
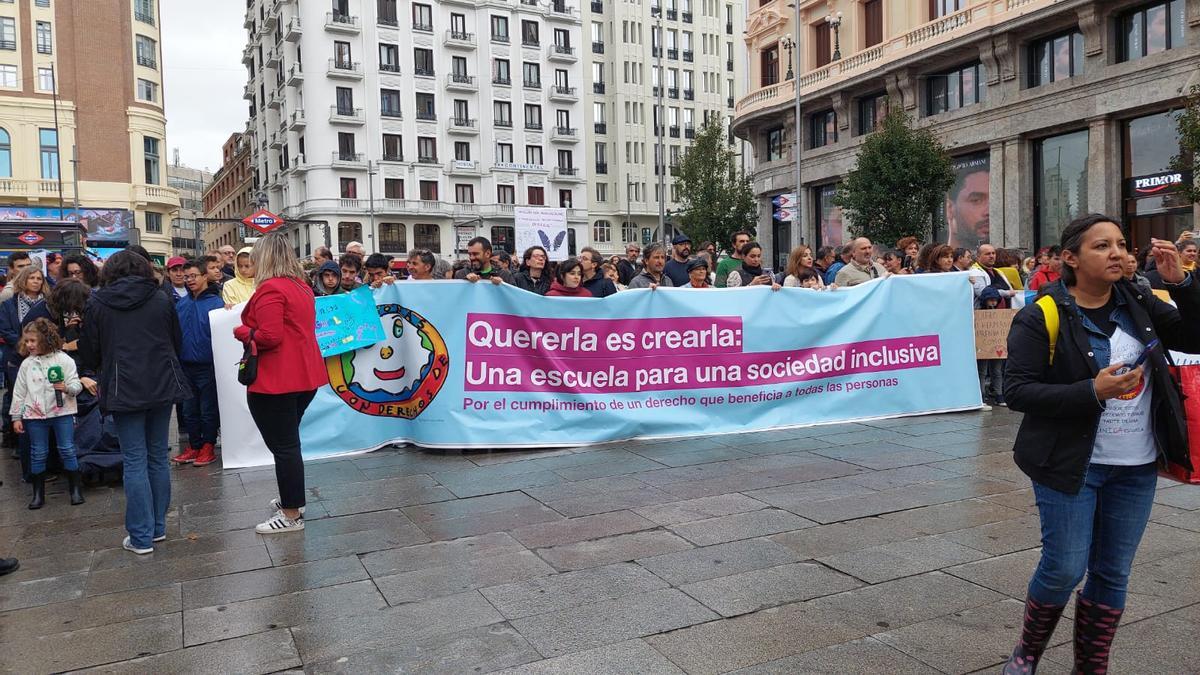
(44, 400)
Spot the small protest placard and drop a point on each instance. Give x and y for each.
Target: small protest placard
(991, 333)
(542, 226)
(347, 322)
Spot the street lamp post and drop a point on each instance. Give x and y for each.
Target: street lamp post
(798, 144)
(835, 22)
(789, 44)
(371, 166)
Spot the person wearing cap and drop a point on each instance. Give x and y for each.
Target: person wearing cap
(677, 266)
(173, 285)
(697, 271)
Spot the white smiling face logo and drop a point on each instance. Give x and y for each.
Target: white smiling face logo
(395, 364)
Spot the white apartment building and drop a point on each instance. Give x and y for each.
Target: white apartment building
(693, 50)
(416, 124)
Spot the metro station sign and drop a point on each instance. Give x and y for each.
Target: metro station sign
(31, 238)
(263, 220)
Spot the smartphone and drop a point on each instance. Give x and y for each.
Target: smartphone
(1145, 354)
(768, 272)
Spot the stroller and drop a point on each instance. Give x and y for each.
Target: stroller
(96, 444)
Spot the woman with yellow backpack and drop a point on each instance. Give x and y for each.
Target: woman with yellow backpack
(1102, 413)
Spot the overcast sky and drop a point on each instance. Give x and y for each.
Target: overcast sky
(202, 46)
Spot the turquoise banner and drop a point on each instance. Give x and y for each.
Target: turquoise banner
(345, 322)
(483, 366)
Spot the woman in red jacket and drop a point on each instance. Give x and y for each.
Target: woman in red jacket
(280, 319)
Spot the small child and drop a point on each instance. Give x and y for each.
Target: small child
(991, 371)
(44, 400)
(808, 279)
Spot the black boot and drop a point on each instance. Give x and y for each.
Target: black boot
(75, 487)
(39, 490)
(1095, 628)
(1040, 620)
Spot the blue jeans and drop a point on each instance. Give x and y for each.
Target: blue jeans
(1096, 531)
(39, 442)
(991, 380)
(144, 451)
(200, 419)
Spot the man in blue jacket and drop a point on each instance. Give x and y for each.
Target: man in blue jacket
(200, 415)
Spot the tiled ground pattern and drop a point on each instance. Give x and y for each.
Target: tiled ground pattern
(899, 546)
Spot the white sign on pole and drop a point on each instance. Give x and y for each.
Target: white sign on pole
(463, 234)
(541, 226)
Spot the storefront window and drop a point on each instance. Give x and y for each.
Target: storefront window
(1061, 187)
(831, 229)
(1153, 206)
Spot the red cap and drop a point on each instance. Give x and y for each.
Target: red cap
(177, 261)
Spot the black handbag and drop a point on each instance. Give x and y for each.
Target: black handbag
(248, 365)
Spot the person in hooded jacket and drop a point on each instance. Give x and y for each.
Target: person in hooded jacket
(239, 289)
(328, 279)
(568, 281)
(200, 417)
(131, 337)
(533, 276)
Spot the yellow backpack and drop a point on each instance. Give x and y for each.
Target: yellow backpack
(1050, 316)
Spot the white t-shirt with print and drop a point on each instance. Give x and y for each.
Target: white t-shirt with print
(1125, 436)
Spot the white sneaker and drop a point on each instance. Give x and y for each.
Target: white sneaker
(986, 408)
(159, 538)
(275, 505)
(130, 547)
(278, 524)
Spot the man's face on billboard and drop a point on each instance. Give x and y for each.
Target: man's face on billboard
(967, 212)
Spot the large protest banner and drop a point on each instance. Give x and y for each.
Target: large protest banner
(477, 365)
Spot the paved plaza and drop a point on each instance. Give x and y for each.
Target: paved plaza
(900, 546)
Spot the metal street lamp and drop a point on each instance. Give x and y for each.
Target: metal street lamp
(835, 22)
(789, 44)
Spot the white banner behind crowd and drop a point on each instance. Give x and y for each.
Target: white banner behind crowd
(483, 366)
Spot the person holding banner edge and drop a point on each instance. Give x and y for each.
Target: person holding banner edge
(280, 320)
(1101, 414)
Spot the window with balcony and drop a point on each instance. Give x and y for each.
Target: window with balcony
(506, 194)
(393, 148)
(428, 236)
(1153, 28)
(563, 119)
(775, 144)
(458, 70)
(822, 43)
(426, 107)
(391, 235)
(872, 14)
(566, 162)
(349, 190)
(499, 28)
(427, 150)
(533, 116)
(389, 102)
(143, 10)
(462, 113)
(871, 111)
(44, 38)
(562, 39)
(532, 74)
(823, 129)
(341, 55)
(537, 196)
(422, 16)
(429, 190)
(5, 154)
(146, 51)
(458, 26)
(954, 89)
(150, 156)
(529, 34)
(346, 146)
(8, 33)
(464, 193)
(386, 13)
(501, 72)
(389, 57)
(502, 114)
(146, 90)
(940, 8)
(423, 61)
(345, 101)
(1056, 58)
(533, 155)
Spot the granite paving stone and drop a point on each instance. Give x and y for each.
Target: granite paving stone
(432, 582)
(1180, 496)
(290, 550)
(439, 553)
(1000, 538)
(221, 622)
(699, 509)
(578, 628)
(855, 535)
(901, 558)
(1008, 574)
(78, 614)
(268, 652)
(583, 488)
(586, 505)
(758, 589)
(739, 526)
(962, 642)
(571, 589)
(958, 515)
(581, 529)
(622, 658)
(619, 548)
(866, 655)
(19, 594)
(77, 649)
(709, 562)
(492, 521)
(481, 649)
(271, 581)
(1160, 644)
(149, 572)
(1186, 520)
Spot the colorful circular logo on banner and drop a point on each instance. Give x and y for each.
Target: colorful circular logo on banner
(398, 377)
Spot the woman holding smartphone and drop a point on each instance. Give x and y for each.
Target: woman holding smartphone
(751, 273)
(1101, 414)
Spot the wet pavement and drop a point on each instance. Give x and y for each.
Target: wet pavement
(899, 546)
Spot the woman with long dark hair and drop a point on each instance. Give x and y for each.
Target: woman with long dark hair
(131, 337)
(568, 281)
(1101, 414)
(751, 272)
(279, 321)
(800, 260)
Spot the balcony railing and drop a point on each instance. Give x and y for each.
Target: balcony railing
(502, 39)
(341, 22)
(391, 113)
(686, 17)
(600, 127)
(729, 65)
(345, 114)
(460, 80)
(533, 126)
(562, 50)
(8, 45)
(503, 124)
(422, 27)
(393, 157)
(143, 16)
(672, 15)
(427, 115)
(345, 68)
(597, 7)
(674, 132)
(597, 47)
(729, 27)
(689, 132)
(390, 21)
(393, 68)
(460, 36)
(530, 42)
(533, 84)
(462, 123)
(602, 167)
(349, 157)
(688, 55)
(598, 87)
(566, 171)
(689, 94)
(423, 71)
(147, 61)
(672, 53)
(563, 91)
(427, 159)
(502, 81)
(672, 92)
